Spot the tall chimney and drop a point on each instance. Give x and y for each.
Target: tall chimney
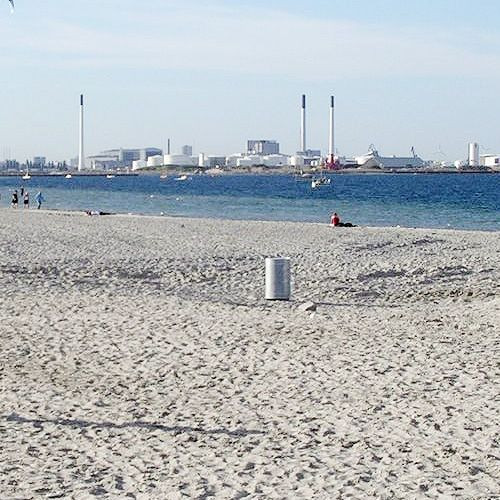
(303, 125)
(81, 157)
(168, 146)
(331, 143)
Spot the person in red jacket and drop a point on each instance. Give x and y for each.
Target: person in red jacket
(335, 221)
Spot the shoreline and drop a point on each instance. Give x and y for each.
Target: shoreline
(66, 212)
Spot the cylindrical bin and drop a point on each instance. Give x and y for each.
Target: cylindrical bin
(277, 278)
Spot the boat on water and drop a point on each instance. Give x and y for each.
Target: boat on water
(182, 178)
(320, 182)
(27, 175)
(164, 176)
(109, 176)
(68, 176)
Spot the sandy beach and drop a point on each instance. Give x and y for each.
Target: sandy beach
(140, 360)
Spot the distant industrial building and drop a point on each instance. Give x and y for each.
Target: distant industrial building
(187, 150)
(491, 161)
(39, 161)
(178, 160)
(262, 147)
(312, 153)
(9, 165)
(272, 160)
(115, 158)
(213, 161)
(373, 160)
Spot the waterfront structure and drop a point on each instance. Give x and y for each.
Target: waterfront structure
(473, 154)
(491, 161)
(213, 161)
(154, 161)
(373, 160)
(262, 147)
(272, 160)
(173, 160)
(122, 157)
(140, 164)
(187, 150)
(39, 161)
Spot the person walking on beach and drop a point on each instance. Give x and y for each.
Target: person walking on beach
(15, 199)
(39, 200)
(26, 200)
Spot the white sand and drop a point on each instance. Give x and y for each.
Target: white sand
(140, 360)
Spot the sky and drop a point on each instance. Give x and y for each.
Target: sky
(214, 73)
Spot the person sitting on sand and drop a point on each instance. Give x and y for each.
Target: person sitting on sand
(335, 221)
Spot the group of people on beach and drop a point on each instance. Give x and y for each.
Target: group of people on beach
(25, 197)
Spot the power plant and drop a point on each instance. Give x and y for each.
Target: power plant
(258, 153)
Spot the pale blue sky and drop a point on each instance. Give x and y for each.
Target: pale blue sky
(214, 73)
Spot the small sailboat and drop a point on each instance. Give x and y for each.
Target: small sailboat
(320, 181)
(27, 175)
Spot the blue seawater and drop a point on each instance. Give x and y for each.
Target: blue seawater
(458, 201)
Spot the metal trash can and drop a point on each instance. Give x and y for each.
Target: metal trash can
(277, 278)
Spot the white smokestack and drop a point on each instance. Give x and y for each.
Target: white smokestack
(303, 125)
(81, 157)
(331, 144)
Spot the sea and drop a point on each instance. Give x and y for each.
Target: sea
(449, 201)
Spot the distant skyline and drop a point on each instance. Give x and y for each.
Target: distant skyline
(213, 74)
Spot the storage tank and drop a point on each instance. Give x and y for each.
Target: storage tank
(178, 160)
(155, 161)
(473, 154)
(138, 164)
